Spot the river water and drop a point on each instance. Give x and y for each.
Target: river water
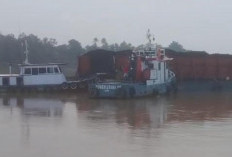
(71, 125)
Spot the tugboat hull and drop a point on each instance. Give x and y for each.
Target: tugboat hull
(128, 90)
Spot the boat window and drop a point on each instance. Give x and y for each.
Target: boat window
(50, 69)
(60, 69)
(35, 71)
(27, 71)
(5, 81)
(56, 70)
(150, 65)
(42, 70)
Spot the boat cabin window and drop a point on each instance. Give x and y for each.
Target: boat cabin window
(27, 71)
(5, 81)
(50, 70)
(35, 71)
(150, 65)
(159, 65)
(56, 70)
(42, 70)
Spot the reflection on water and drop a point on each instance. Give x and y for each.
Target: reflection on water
(67, 123)
(34, 106)
(137, 113)
(201, 106)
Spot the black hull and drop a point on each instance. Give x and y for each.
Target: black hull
(205, 85)
(40, 88)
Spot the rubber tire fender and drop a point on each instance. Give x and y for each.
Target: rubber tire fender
(73, 85)
(64, 85)
(94, 93)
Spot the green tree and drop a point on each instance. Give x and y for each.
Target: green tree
(176, 47)
(75, 46)
(125, 46)
(95, 42)
(114, 47)
(104, 44)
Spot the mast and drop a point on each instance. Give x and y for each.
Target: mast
(26, 52)
(150, 48)
(151, 41)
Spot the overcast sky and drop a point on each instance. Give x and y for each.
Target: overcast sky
(196, 24)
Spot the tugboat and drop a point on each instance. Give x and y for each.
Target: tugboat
(150, 64)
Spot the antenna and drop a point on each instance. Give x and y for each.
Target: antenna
(149, 36)
(26, 52)
(153, 38)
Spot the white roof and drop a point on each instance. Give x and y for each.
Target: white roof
(45, 64)
(9, 75)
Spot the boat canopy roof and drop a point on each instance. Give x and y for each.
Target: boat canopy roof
(9, 75)
(45, 64)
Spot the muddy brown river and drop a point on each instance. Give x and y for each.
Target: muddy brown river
(72, 125)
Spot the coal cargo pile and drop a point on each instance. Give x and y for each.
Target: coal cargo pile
(102, 61)
(200, 65)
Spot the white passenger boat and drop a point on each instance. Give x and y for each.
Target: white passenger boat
(34, 76)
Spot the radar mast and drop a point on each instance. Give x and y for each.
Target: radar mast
(26, 52)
